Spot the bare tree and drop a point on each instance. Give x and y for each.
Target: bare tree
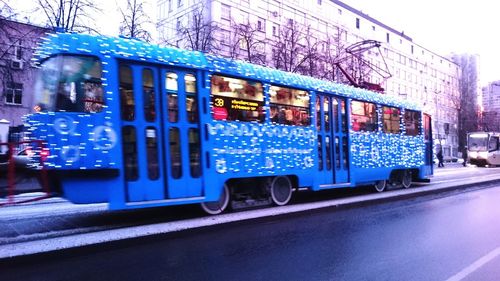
(466, 105)
(199, 33)
(333, 53)
(69, 15)
(491, 121)
(6, 10)
(312, 55)
(134, 20)
(246, 43)
(288, 52)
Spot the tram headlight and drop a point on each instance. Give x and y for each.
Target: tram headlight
(483, 154)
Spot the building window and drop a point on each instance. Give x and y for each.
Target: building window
(373, 27)
(275, 30)
(261, 24)
(340, 12)
(319, 2)
(243, 44)
(178, 25)
(169, 6)
(18, 50)
(387, 37)
(357, 23)
(226, 37)
(14, 93)
(225, 12)
(179, 3)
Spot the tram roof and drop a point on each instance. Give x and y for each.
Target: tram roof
(133, 49)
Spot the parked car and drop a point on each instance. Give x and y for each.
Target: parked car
(25, 171)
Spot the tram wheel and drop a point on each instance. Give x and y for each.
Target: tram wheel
(380, 185)
(219, 206)
(406, 179)
(281, 190)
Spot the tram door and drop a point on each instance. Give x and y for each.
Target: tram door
(331, 123)
(428, 141)
(160, 136)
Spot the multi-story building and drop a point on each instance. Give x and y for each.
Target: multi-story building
(491, 106)
(417, 73)
(17, 75)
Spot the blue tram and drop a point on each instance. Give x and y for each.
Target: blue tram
(138, 125)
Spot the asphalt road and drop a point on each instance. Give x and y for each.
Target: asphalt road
(452, 236)
(55, 217)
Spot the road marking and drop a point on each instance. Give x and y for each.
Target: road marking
(475, 265)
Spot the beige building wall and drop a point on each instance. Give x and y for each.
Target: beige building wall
(417, 72)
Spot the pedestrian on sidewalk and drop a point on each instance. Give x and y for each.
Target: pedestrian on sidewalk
(465, 156)
(440, 158)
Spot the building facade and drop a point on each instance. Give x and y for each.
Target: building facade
(416, 72)
(17, 75)
(491, 107)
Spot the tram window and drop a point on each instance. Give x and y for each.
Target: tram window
(363, 116)
(129, 140)
(320, 153)
(152, 153)
(427, 127)
(391, 118)
(191, 106)
(236, 99)
(175, 153)
(194, 153)
(412, 122)
(172, 87)
(127, 100)
(149, 95)
(328, 148)
(318, 113)
(493, 144)
(93, 97)
(344, 151)
(326, 113)
(190, 83)
(171, 82)
(70, 84)
(335, 114)
(343, 116)
(337, 153)
(290, 106)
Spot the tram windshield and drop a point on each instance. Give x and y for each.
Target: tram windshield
(478, 142)
(70, 84)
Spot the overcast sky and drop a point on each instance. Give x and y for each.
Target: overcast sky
(445, 26)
